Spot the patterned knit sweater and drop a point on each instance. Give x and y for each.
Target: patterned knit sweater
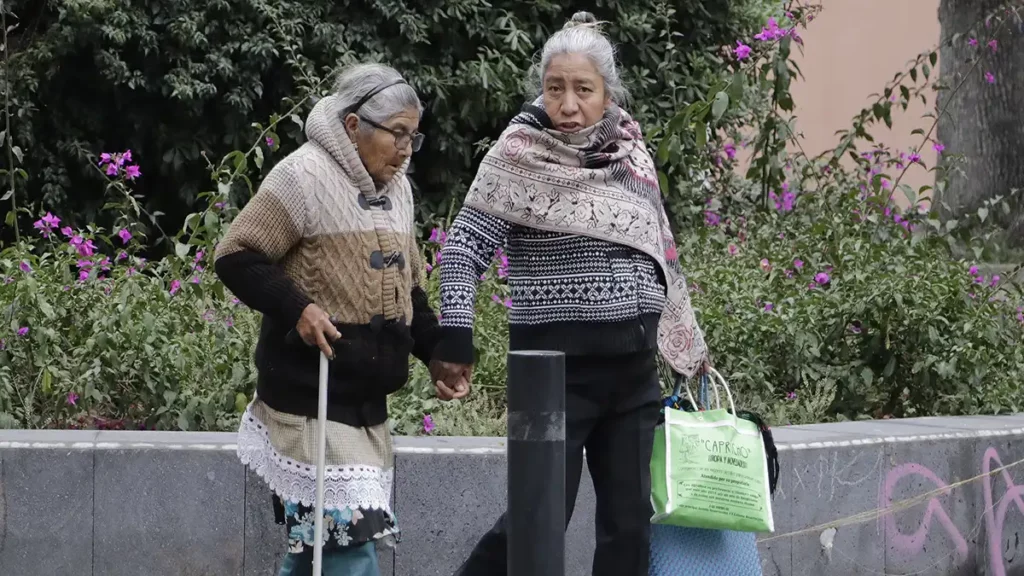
(574, 294)
(319, 230)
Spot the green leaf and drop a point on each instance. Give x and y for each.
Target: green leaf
(663, 182)
(259, 157)
(47, 381)
(982, 214)
(701, 134)
(7, 196)
(720, 105)
(933, 58)
(890, 368)
(867, 375)
(181, 250)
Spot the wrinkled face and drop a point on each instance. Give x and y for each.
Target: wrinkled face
(377, 145)
(574, 93)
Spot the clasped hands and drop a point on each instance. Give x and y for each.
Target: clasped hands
(451, 380)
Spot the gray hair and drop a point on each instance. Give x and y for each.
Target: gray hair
(581, 35)
(359, 80)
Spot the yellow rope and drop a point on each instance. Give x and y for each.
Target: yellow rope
(877, 513)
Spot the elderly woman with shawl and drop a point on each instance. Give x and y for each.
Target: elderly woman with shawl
(571, 193)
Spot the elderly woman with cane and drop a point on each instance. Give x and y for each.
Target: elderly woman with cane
(326, 250)
(571, 193)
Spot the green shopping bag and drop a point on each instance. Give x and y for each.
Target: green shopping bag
(709, 470)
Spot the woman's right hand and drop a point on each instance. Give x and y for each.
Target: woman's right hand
(316, 329)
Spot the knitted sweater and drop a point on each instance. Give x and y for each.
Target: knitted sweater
(575, 294)
(319, 230)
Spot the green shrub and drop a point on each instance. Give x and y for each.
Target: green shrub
(884, 316)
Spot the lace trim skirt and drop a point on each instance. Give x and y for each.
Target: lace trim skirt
(281, 449)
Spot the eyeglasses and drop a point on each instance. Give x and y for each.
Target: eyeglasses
(402, 138)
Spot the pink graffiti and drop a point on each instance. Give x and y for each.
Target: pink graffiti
(996, 517)
(914, 543)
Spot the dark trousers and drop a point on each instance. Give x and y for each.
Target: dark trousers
(612, 407)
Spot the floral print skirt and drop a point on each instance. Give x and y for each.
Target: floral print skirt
(358, 479)
(342, 528)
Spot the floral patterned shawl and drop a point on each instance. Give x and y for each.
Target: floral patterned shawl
(600, 182)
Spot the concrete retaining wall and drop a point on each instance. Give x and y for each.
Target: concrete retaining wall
(179, 504)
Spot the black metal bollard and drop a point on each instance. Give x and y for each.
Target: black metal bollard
(536, 463)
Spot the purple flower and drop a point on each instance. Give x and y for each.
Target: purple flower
(25, 267)
(72, 398)
(175, 286)
(270, 142)
(742, 51)
(993, 44)
(111, 170)
(502, 263)
(711, 219)
(973, 271)
(733, 250)
(855, 327)
(972, 42)
(132, 172)
(23, 331)
(768, 307)
(104, 158)
(798, 264)
(121, 256)
(438, 236)
(821, 278)
(791, 396)
(990, 78)
(428, 423)
(730, 151)
(995, 280)
(766, 265)
(938, 147)
(124, 235)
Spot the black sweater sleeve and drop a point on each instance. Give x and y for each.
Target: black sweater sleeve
(426, 330)
(262, 285)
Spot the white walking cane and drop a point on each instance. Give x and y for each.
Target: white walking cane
(321, 464)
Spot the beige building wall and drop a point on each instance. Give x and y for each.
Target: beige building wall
(851, 50)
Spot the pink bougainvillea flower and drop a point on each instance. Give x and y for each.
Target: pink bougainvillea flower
(428, 267)
(125, 157)
(990, 78)
(768, 307)
(770, 32)
(798, 264)
(994, 45)
(67, 231)
(914, 157)
(25, 267)
(83, 275)
(175, 286)
(791, 396)
(711, 219)
(730, 151)
(111, 169)
(72, 398)
(121, 256)
(973, 271)
(125, 235)
(428, 423)
(85, 247)
(105, 158)
(132, 172)
(972, 42)
(733, 249)
(766, 265)
(741, 51)
(938, 147)
(995, 281)
(270, 142)
(23, 331)
(822, 278)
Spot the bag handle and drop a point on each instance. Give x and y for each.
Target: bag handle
(711, 376)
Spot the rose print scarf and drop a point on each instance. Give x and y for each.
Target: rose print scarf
(600, 182)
